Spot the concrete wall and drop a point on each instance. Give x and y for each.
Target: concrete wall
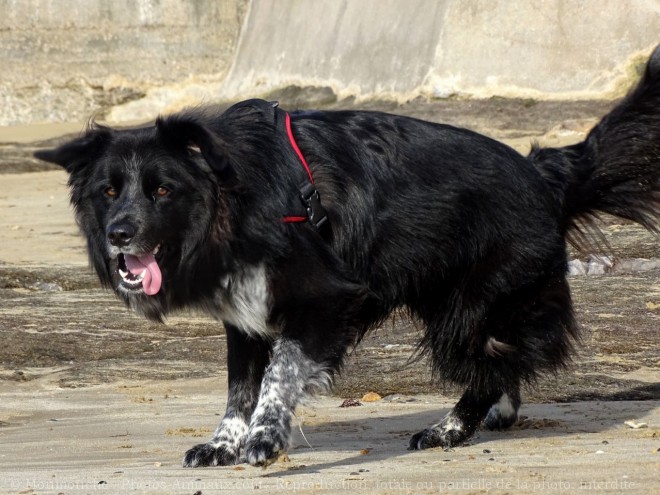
(131, 59)
(535, 48)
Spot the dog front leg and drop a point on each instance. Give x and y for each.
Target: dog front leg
(247, 359)
(291, 375)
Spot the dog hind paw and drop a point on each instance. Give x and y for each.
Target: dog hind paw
(210, 454)
(446, 434)
(503, 414)
(495, 420)
(436, 437)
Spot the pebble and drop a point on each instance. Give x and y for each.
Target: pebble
(635, 425)
(371, 397)
(45, 287)
(599, 265)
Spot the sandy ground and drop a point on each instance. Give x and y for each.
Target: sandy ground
(129, 437)
(93, 399)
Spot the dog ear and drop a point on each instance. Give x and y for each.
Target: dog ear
(265, 109)
(653, 65)
(191, 134)
(77, 153)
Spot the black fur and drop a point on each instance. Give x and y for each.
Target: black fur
(461, 230)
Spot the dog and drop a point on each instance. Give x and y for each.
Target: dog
(302, 231)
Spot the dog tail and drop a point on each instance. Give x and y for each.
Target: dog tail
(616, 169)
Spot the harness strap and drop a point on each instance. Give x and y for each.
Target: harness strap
(316, 213)
(295, 147)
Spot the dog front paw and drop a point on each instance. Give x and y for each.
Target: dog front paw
(211, 454)
(264, 446)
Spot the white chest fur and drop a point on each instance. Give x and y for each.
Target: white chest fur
(245, 301)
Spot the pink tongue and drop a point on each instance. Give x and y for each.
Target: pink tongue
(152, 277)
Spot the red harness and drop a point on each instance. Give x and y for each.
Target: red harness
(316, 214)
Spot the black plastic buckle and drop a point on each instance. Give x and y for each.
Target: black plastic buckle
(312, 202)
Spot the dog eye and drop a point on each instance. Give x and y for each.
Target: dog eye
(161, 191)
(111, 192)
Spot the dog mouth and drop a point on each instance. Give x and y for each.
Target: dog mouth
(141, 272)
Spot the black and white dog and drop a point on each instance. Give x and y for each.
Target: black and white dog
(302, 231)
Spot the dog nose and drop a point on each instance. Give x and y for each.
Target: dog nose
(120, 234)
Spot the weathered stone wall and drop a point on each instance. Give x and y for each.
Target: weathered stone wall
(68, 59)
(63, 60)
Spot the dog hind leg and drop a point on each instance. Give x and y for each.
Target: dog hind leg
(534, 328)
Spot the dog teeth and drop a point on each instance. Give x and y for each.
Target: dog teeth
(155, 251)
(131, 279)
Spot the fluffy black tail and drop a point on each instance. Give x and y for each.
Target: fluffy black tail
(616, 169)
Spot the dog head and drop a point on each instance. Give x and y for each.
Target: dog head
(147, 200)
